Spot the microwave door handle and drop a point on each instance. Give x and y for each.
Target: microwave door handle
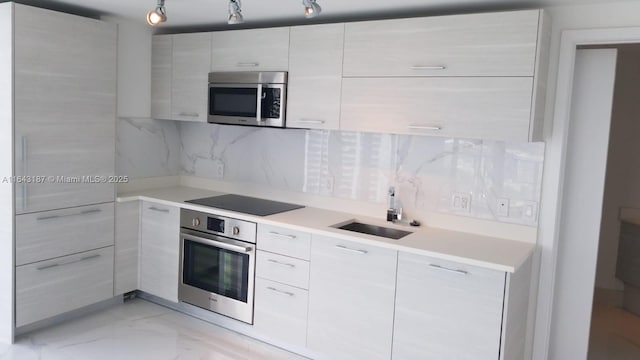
(259, 104)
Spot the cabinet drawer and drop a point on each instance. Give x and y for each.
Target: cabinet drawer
(281, 311)
(284, 241)
(53, 287)
(283, 269)
(50, 234)
(498, 44)
(251, 50)
(481, 107)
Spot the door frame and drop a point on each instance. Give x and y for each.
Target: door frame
(553, 180)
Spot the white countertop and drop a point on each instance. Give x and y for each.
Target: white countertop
(493, 253)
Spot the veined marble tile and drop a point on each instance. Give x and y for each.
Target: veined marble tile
(139, 330)
(147, 148)
(273, 157)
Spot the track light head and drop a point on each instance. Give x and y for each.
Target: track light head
(235, 13)
(157, 16)
(311, 8)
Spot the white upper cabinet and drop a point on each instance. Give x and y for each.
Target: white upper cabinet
(251, 50)
(161, 60)
(179, 76)
(65, 108)
(474, 107)
(190, 81)
(315, 76)
(493, 44)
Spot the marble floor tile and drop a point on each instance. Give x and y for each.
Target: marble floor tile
(615, 334)
(139, 330)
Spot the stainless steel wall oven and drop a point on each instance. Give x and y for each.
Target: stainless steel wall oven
(217, 263)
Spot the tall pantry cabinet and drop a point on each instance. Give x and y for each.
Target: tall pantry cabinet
(58, 75)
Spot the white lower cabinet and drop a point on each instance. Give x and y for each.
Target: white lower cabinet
(160, 250)
(446, 310)
(281, 311)
(351, 300)
(127, 242)
(52, 287)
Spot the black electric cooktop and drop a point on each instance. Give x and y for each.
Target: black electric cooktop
(246, 204)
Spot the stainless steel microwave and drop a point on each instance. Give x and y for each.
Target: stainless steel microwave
(248, 98)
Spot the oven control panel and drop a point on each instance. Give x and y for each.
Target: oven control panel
(218, 225)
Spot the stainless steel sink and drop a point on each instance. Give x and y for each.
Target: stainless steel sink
(374, 230)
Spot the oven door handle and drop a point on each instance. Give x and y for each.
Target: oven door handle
(220, 244)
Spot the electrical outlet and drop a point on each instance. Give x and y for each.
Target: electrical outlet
(461, 202)
(219, 168)
(502, 207)
(530, 210)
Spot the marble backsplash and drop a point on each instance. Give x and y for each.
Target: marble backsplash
(426, 171)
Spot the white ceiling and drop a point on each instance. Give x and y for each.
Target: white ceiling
(213, 13)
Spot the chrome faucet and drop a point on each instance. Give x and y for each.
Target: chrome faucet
(394, 210)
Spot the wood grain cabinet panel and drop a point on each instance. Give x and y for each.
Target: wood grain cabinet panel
(127, 242)
(56, 286)
(161, 67)
(281, 311)
(49, 234)
(315, 76)
(351, 297)
(284, 241)
(160, 250)
(190, 76)
(476, 107)
(492, 44)
(251, 50)
(446, 310)
(65, 107)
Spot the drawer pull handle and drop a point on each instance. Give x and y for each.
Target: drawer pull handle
(424, 127)
(281, 263)
(280, 291)
(158, 209)
(85, 212)
(290, 237)
(311, 121)
(248, 64)
(342, 247)
(458, 271)
(69, 262)
(189, 114)
(428, 67)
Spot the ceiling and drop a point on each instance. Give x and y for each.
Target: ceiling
(212, 14)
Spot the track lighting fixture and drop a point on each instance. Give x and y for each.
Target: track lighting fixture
(157, 16)
(235, 13)
(311, 8)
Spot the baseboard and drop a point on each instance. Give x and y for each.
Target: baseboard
(608, 297)
(74, 314)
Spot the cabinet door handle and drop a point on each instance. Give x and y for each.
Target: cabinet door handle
(85, 212)
(455, 271)
(280, 291)
(68, 262)
(158, 209)
(290, 237)
(25, 169)
(425, 127)
(281, 263)
(311, 121)
(248, 64)
(189, 114)
(427, 67)
(359, 251)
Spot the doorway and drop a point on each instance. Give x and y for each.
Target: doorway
(577, 159)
